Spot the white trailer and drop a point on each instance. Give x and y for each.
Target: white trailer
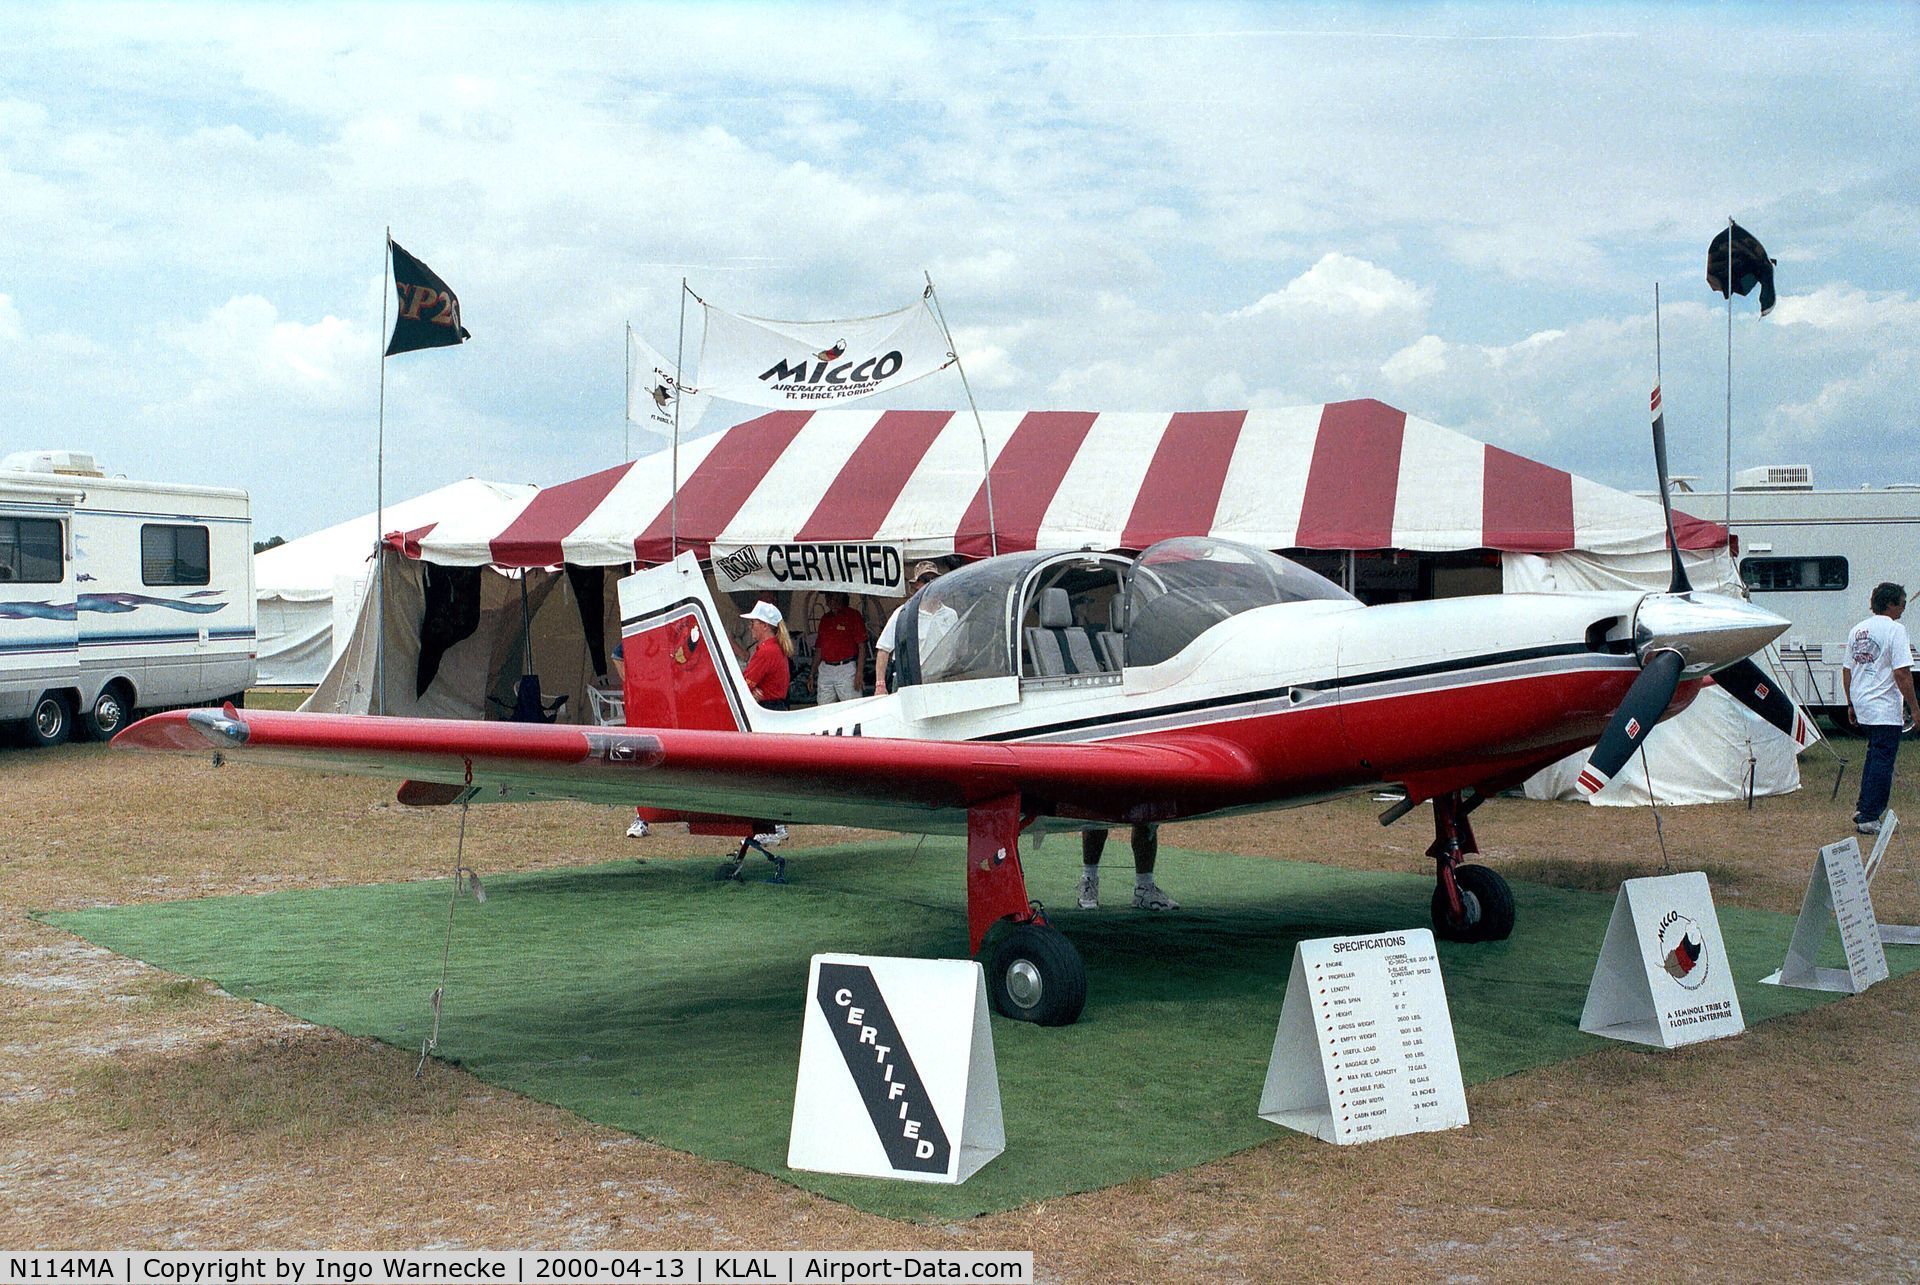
(1814, 557)
(117, 595)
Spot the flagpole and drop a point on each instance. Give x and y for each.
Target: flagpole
(679, 375)
(986, 466)
(380, 503)
(1729, 456)
(626, 421)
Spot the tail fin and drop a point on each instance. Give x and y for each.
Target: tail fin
(680, 671)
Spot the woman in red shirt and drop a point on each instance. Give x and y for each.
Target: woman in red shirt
(767, 671)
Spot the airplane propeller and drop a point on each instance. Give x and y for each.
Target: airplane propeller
(1676, 634)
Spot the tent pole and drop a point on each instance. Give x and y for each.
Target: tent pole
(380, 504)
(679, 389)
(986, 466)
(1729, 456)
(626, 421)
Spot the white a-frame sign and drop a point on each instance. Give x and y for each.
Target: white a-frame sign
(897, 1078)
(1890, 934)
(1837, 894)
(1365, 1046)
(1663, 976)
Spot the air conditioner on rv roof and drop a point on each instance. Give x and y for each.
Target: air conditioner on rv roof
(64, 463)
(1775, 477)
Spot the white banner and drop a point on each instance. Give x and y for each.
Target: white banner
(811, 363)
(652, 385)
(877, 569)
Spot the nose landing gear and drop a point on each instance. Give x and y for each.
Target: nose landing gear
(1470, 902)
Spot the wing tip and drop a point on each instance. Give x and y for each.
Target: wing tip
(188, 730)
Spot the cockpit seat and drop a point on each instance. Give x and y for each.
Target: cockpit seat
(1112, 640)
(1058, 647)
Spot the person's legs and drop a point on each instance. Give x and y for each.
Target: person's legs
(1876, 776)
(1092, 844)
(1147, 895)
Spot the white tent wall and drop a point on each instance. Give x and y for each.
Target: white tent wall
(305, 586)
(1704, 753)
(477, 675)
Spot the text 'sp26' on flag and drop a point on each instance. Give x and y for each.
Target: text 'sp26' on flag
(429, 314)
(815, 363)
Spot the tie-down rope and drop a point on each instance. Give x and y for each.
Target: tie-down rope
(463, 876)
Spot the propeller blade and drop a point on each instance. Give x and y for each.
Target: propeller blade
(1747, 683)
(1646, 701)
(1680, 584)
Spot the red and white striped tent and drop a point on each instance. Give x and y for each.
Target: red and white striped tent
(1346, 475)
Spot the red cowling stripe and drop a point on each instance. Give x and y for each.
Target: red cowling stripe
(1526, 506)
(863, 493)
(1181, 490)
(533, 538)
(1354, 477)
(714, 493)
(1026, 476)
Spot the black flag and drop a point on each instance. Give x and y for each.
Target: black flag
(429, 312)
(1750, 265)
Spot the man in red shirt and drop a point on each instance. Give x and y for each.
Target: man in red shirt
(836, 652)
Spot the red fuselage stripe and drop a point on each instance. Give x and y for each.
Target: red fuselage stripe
(860, 497)
(715, 492)
(1181, 490)
(1354, 478)
(1026, 476)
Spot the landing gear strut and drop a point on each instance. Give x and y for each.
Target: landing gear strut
(1470, 902)
(1033, 972)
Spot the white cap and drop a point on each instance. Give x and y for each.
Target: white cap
(764, 612)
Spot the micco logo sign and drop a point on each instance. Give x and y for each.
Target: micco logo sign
(882, 1069)
(824, 375)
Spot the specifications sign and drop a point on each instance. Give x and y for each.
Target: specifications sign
(1837, 895)
(1365, 1047)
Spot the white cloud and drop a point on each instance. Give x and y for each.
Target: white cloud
(1421, 359)
(1339, 285)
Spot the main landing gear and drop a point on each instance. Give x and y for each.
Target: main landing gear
(1470, 902)
(1033, 972)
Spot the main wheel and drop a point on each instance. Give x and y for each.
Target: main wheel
(1035, 975)
(109, 712)
(51, 722)
(1487, 903)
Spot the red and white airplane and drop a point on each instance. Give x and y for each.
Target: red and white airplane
(1073, 689)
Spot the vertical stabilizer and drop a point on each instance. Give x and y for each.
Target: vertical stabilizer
(680, 669)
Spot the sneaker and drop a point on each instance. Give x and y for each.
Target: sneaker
(1151, 897)
(1866, 827)
(1090, 888)
(638, 830)
(772, 838)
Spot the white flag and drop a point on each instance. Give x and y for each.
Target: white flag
(653, 384)
(807, 363)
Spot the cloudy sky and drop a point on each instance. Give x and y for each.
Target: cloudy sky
(1460, 210)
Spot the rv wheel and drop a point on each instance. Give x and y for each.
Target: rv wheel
(1035, 975)
(52, 720)
(109, 712)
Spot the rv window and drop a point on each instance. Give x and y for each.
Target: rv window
(1783, 574)
(174, 555)
(30, 551)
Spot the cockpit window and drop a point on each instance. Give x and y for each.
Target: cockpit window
(957, 627)
(1178, 589)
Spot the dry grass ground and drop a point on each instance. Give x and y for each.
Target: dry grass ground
(137, 1109)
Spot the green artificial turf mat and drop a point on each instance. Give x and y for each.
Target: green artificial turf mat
(650, 998)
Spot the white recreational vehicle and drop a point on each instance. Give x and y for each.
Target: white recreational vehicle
(117, 595)
(1814, 557)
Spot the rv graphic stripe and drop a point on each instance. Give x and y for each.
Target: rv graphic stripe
(882, 1069)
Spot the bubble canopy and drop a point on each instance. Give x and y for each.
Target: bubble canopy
(971, 623)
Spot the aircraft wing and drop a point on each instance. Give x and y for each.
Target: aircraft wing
(910, 785)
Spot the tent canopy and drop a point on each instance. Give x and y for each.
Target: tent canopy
(1345, 475)
(305, 570)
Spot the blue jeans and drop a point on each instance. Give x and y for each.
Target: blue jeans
(1876, 778)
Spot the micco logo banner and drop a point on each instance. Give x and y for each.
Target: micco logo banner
(897, 1074)
(809, 364)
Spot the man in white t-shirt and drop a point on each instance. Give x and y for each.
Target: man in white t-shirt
(1877, 676)
(924, 574)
